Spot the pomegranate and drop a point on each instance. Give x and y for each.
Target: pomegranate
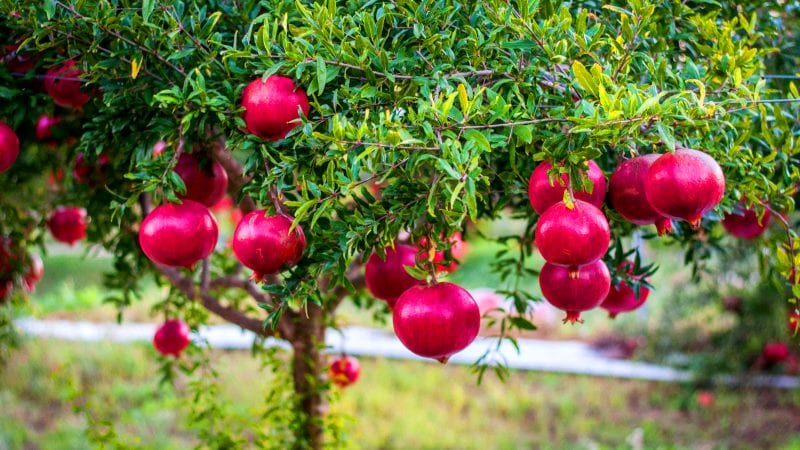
(436, 321)
(272, 105)
(744, 223)
(45, 125)
(705, 399)
(179, 235)
(623, 298)
(34, 273)
(626, 192)
(542, 194)
(573, 236)
(206, 185)
(91, 175)
(684, 185)
(775, 352)
(344, 370)
(68, 224)
(265, 244)
(458, 249)
(9, 147)
(64, 87)
(158, 148)
(172, 337)
(794, 322)
(16, 62)
(575, 294)
(387, 278)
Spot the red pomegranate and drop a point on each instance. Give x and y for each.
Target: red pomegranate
(63, 84)
(458, 249)
(542, 194)
(68, 224)
(775, 352)
(387, 279)
(573, 236)
(172, 337)
(623, 298)
(206, 185)
(265, 244)
(271, 105)
(344, 370)
(179, 235)
(794, 322)
(436, 321)
(34, 273)
(45, 125)
(626, 192)
(16, 62)
(744, 223)
(575, 294)
(684, 185)
(90, 174)
(9, 147)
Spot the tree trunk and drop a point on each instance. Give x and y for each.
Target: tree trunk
(308, 365)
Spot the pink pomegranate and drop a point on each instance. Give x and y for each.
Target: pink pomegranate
(387, 278)
(684, 185)
(627, 193)
(158, 148)
(206, 185)
(68, 224)
(344, 370)
(542, 194)
(34, 273)
(45, 125)
(744, 223)
(575, 294)
(9, 147)
(172, 337)
(179, 235)
(64, 87)
(272, 105)
(623, 298)
(266, 244)
(574, 236)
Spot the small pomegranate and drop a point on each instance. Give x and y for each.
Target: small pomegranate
(575, 294)
(623, 298)
(63, 85)
(344, 370)
(387, 279)
(172, 337)
(705, 399)
(68, 224)
(158, 148)
(265, 244)
(45, 125)
(775, 352)
(573, 236)
(542, 194)
(794, 322)
(203, 185)
(744, 223)
(179, 235)
(436, 321)
(91, 175)
(627, 195)
(34, 273)
(16, 62)
(458, 250)
(272, 105)
(684, 185)
(9, 147)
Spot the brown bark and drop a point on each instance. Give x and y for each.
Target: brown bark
(308, 365)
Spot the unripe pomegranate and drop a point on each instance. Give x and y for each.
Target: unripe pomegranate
(794, 322)
(265, 244)
(91, 175)
(344, 370)
(63, 85)
(206, 185)
(172, 337)
(179, 235)
(744, 223)
(45, 125)
(623, 298)
(34, 273)
(573, 236)
(9, 147)
(68, 224)
(684, 185)
(775, 352)
(272, 105)
(387, 279)
(458, 249)
(542, 194)
(436, 321)
(627, 195)
(575, 294)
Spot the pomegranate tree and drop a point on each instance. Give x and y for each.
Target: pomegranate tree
(268, 244)
(178, 235)
(344, 370)
(172, 337)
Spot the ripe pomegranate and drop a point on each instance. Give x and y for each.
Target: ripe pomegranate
(9, 147)
(573, 236)
(344, 370)
(34, 273)
(387, 278)
(206, 185)
(436, 321)
(265, 244)
(172, 337)
(794, 322)
(543, 195)
(271, 105)
(68, 224)
(63, 85)
(91, 175)
(626, 192)
(575, 294)
(179, 235)
(623, 298)
(745, 224)
(775, 352)
(16, 62)
(44, 127)
(458, 249)
(705, 399)
(684, 185)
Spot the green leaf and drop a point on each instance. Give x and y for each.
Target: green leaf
(322, 74)
(147, 9)
(666, 136)
(584, 78)
(50, 8)
(479, 139)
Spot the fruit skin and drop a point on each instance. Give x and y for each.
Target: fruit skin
(63, 87)
(265, 244)
(744, 223)
(203, 186)
(685, 185)
(436, 321)
(575, 294)
(543, 195)
(626, 191)
(387, 279)
(775, 352)
(172, 337)
(34, 273)
(572, 237)
(44, 127)
(179, 235)
(622, 298)
(271, 105)
(9, 147)
(344, 370)
(68, 224)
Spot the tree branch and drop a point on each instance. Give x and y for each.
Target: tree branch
(236, 177)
